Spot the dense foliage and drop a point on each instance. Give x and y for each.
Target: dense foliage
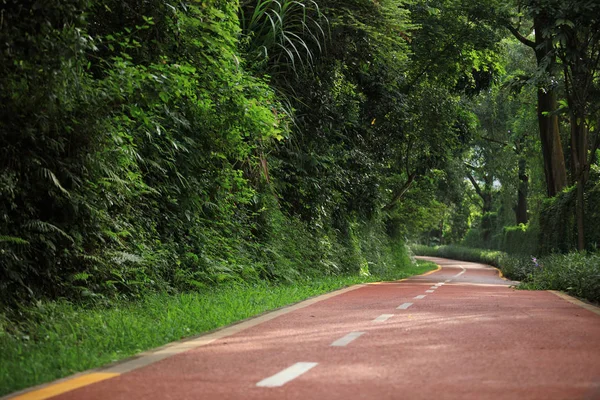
(149, 146)
(129, 136)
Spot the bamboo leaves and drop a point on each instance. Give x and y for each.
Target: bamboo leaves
(283, 34)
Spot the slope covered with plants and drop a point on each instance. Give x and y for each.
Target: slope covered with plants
(162, 147)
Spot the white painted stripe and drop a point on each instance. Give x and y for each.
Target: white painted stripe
(429, 291)
(419, 297)
(347, 339)
(447, 280)
(433, 288)
(383, 317)
(460, 273)
(404, 306)
(288, 374)
(440, 284)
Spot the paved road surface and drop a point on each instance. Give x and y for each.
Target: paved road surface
(458, 333)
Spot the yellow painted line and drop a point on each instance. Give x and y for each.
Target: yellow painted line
(46, 391)
(575, 301)
(65, 386)
(500, 274)
(431, 272)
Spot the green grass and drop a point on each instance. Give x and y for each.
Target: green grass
(58, 339)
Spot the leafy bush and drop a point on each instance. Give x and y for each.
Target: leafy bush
(558, 231)
(130, 137)
(574, 273)
(517, 268)
(520, 239)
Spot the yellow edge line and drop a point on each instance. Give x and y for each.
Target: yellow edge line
(500, 274)
(149, 357)
(431, 272)
(65, 386)
(575, 301)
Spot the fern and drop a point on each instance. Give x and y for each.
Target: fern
(46, 173)
(46, 227)
(13, 240)
(121, 257)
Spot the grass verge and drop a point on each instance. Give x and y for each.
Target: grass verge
(58, 339)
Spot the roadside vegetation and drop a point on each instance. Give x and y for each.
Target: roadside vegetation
(576, 273)
(165, 150)
(57, 339)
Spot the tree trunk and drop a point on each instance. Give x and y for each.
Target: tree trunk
(554, 159)
(486, 208)
(486, 223)
(521, 210)
(579, 150)
(580, 215)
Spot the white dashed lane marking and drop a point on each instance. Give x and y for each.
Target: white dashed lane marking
(288, 374)
(383, 317)
(404, 306)
(419, 297)
(347, 339)
(460, 273)
(429, 291)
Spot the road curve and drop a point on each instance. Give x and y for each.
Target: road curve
(461, 332)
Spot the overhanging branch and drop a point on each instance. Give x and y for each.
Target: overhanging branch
(475, 185)
(520, 36)
(401, 192)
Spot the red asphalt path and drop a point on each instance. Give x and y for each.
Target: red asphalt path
(472, 338)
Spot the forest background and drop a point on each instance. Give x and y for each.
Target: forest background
(152, 147)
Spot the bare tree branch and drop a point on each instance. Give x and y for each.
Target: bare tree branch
(401, 192)
(519, 36)
(506, 144)
(475, 185)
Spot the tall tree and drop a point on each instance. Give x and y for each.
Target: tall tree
(547, 104)
(576, 30)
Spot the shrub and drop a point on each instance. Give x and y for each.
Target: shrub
(558, 228)
(575, 273)
(520, 239)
